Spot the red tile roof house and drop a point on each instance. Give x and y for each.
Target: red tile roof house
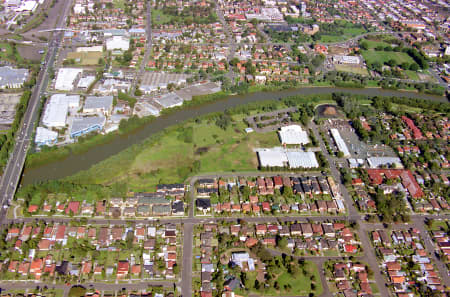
(33, 208)
(266, 206)
(36, 268)
(122, 269)
(261, 229)
(73, 207)
(60, 234)
(26, 233)
(13, 232)
(278, 182)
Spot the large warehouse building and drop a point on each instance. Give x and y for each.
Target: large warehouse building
(279, 157)
(55, 114)
(66, 78)
(293, 134)
(340, 143)
(85, 125)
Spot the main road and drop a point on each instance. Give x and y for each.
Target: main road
(14, 167)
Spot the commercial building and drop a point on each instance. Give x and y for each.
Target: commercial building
(375, 162)
(55, 113)
(65, 80)
(272, 158)
(169, 100)
(293, 134)
(85, 125)
(340, 143)
(85, 82)
(95, 104)
(45, 136)
(279, 157)
(156, 81)
(302, 159)
(12, 78)
(339, 59)
(118, 43)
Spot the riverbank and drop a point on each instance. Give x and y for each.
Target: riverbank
(71, 160)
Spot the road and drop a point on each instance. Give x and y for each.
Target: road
(186, 269)
(148, 48)
(14, 167)
(20, 285)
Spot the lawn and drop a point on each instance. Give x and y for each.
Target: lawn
(406, 108)
(7, 53)
(375, 43)
(348, 33)
(372, 56)
(412, 74)
(352, 69)
(119, 4)
(159, 18)
(300, 283)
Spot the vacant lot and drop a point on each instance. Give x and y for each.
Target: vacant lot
(372, 56)
(30, 52)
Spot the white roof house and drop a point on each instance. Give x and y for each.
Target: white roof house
(45, 136)
(55, 113)
(118, 43)
(293, 134)
(66, 78)
(340, 143)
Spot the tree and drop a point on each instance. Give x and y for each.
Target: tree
(77, 291)
(282, 242)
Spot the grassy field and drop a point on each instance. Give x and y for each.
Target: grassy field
(6, 53)
(411, 75)
(412, 109)
(159, 18)
(374, 43)
(169, 158)
(352, 69)
(372, 56)
(119, 4)
(300, 284)
(348, 34)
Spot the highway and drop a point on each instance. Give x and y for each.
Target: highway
(14, 167)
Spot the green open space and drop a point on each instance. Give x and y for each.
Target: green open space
(372, 44)
(382, 57)
(352, 69)
(8, 53)
(348, 34)
(288, 284)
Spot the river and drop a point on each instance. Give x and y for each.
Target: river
(78, 162)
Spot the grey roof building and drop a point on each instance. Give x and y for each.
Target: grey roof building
(12, 78)
(96, 104)
(82, 126)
